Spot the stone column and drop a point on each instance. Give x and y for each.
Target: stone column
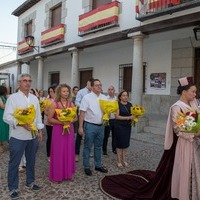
(137, 72)
(19, 68)
(75, 67)
(40, 72)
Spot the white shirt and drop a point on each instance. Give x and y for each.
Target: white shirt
(19, 100)
(81, 93)
(90, 104)
(109, 98)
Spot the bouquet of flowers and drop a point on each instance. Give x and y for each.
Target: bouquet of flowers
(66, 115)
(44, 104)
(108, 107)
(137, 111)
(27, 116)
(188, 122)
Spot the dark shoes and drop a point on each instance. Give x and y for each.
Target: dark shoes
(33, 187)
(105, 153)
(88, 172)
(14, 194)
(101, 169)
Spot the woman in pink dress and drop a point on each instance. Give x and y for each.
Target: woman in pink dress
(62, 163)
(186, 168)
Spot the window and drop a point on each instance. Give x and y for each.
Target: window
(85, 75)
(56, 16)
(125, 77)
(98, 3)
(28, 28)
(54, 78)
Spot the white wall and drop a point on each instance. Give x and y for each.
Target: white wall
(105, 61)
(60, 63)
(158, 58)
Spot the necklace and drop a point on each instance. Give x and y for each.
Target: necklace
(64, 105)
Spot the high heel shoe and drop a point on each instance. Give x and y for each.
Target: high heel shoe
(125, 164)
(119, 165)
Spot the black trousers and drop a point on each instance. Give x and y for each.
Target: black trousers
(78, 144)
(107, 134)
(48, 142)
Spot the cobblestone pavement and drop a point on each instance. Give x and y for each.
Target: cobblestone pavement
(141, 155)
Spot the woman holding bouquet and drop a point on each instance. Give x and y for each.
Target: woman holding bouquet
(178, 173)
(4, 130)
(48, 125)
(62, 164)
(122, 128)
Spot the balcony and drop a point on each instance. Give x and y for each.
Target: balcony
(102, 18)
(24, 48)
(150, 9)
(53, 36)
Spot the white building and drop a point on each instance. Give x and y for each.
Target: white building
(141, 48)
(8, 54)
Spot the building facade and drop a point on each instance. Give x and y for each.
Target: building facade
(140, 46)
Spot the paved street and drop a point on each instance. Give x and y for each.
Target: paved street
(141, 155)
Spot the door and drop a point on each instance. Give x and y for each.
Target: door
(197, 71)
(85, 75)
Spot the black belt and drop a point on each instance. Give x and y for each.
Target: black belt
(93, 123)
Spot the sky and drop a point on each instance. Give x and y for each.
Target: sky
(8, 22)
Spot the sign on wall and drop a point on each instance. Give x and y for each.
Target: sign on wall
(158, 80)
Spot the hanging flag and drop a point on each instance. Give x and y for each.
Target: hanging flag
(141, 7)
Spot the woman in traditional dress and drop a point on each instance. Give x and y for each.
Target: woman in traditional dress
(4, 128)
(178, 173)
(62, 164)
(122, 128)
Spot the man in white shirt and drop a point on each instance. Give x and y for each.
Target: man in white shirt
(21, 138)
(91, 124)
(81, 93)
(110, 97)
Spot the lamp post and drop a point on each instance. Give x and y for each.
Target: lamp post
(196, 31)
(30, 42)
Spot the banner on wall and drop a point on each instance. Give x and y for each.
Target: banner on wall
(158, 80)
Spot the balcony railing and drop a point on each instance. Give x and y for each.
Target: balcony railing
(147, 9)
(24, 48)
(53, 35)
(101, 18)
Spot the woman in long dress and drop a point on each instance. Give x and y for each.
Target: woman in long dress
(178, 173)
(4, 128)
(122, 128)
(62, 163)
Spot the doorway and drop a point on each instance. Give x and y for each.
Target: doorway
(197, 71)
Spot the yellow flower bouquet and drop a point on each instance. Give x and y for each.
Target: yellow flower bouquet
(108, 107)
(66, 115)
(27, 116)
(44, 103)
(137, 111)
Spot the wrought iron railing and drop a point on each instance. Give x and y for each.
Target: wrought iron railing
(98, 19)
(146, 8)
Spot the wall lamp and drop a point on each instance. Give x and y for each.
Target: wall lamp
(196, 30)
(30, 42)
